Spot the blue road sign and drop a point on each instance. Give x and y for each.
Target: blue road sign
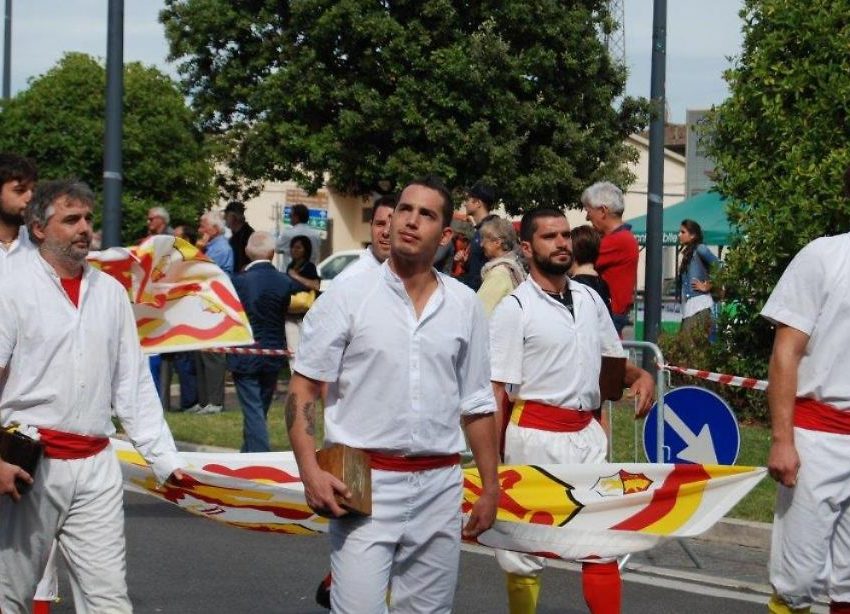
(699, 428)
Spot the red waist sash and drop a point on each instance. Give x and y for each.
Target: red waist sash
(543, 417)
(388, 462)
(70, 446)
(819, 416)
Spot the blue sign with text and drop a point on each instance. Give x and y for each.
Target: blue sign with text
(699, 428)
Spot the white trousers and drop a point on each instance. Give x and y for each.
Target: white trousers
(810, 545)
(525, 446)
(48, 587)
(79, 504)
(410, 544)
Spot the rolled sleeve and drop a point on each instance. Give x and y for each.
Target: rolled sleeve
(476, 393)
(797, 298)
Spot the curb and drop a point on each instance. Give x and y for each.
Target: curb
(736, 532)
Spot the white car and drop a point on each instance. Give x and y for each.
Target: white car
(333, 265)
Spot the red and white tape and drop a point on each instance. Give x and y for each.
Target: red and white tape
(250, 351)
(721, 378)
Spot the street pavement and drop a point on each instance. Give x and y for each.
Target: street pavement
(184, 564)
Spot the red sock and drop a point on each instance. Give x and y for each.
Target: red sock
(40, 607)
(839, 607)
(602, 588)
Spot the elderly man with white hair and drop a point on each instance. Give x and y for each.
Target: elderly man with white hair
(618, 252)
(264, 292)
(211, 367)
(158, 222)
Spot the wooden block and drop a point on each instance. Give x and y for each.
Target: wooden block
(612, 378)
(352, 467)
(23, 451)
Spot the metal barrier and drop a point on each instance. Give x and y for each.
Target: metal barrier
(660, 392)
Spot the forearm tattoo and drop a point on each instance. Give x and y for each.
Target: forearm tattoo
(308, 411)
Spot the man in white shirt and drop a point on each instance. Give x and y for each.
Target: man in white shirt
(70, 357)
(547, 340)
(407, 348)
(808, 395)
(299, 216)
(17, 179)
(379, 249)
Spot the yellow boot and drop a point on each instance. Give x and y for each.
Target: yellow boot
(777, 606)
(522, 593)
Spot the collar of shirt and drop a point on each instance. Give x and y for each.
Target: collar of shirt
(253, 262)
(396, 284)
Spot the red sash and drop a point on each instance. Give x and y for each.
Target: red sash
(388, 462)
(70, 446)
(543, 417)
(818, 416)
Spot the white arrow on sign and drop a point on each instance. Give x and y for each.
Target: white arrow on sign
(698, 449)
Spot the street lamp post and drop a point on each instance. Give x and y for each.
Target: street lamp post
(7, 53)
(655, 193)
(112, 161)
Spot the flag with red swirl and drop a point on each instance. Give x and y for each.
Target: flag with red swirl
(561, 511)
(181, 299)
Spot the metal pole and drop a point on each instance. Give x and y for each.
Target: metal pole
(112, 162)
(7, 53)
(655, 193)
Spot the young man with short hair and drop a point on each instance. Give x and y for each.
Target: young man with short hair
(426, 335)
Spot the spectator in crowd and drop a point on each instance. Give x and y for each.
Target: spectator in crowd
(618, 253)
(586, 242)
(502, 271)
(299, 216)
(426, 335)
(460, 243)
(69, 359)
(264, 293)
(694, 282)
(210, 367)
(480, 199)
(158, 220)
(17, 180)
(186, 232)
(379, 248)
(234, 217)
(305, 278)
(546, 346)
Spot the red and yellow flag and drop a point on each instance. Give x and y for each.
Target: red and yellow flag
(181, 299)
(562, 511)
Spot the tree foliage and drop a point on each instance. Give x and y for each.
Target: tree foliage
(59, 122)
(781, 143)
(521, 93)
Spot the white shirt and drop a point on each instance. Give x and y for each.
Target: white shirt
(402, 383)
(68, 368)
(547, 354)
(290, 233)
(20, 249)
(813, 296)
(366, 262)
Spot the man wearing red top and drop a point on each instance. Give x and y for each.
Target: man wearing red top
(69, 359)
(618, 253)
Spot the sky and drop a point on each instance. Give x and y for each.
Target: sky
(699, 42)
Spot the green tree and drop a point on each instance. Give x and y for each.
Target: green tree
(781, 142)
(521, 93)
(59, 122)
